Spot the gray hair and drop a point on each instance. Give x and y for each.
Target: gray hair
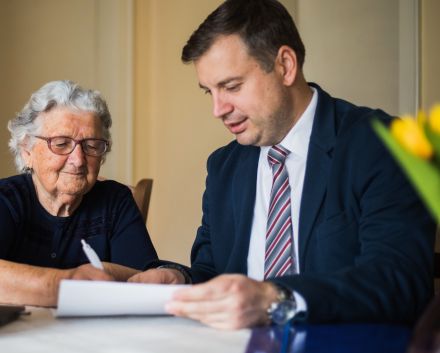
(54, 94)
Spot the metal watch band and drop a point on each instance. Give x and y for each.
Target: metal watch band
(283, 309)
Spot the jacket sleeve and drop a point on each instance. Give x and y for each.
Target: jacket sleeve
(202, 262)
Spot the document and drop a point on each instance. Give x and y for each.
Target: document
(101, 298)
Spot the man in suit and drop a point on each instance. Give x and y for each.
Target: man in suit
(305, 216)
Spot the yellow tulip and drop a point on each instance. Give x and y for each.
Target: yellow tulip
(434, 118)
(411, 136)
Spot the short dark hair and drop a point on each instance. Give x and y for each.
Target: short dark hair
(263, 25)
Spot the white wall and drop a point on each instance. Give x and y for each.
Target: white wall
(358, 49)
(430, 53)
(6, 167)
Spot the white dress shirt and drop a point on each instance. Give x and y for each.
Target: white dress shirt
(297, 142)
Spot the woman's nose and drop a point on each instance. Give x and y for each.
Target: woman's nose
(77, 156)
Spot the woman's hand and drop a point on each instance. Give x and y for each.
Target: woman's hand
(88, 272)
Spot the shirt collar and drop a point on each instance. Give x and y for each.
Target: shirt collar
(297, 139)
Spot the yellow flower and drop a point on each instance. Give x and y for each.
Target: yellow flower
(434, 118)
(411, 136)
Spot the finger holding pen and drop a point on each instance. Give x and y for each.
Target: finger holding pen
(93, 271)
(113, 271)
(89, 272)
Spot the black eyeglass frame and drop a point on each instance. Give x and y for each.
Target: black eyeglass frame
(82, 143)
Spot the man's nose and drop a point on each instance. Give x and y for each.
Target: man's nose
(221, 106)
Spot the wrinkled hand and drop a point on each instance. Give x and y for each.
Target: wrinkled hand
(225, 302)
(88, 272)
(159, 275)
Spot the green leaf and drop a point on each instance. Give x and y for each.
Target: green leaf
(422, 173)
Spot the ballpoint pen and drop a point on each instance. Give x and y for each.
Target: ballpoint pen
(91, 255)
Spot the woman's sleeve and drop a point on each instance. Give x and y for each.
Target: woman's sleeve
(130, 242)
(7, 230)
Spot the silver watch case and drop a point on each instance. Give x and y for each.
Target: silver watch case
(281, 312)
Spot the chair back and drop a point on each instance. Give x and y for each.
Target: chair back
(142, 194)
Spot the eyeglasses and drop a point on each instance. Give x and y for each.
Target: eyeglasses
(62, 145)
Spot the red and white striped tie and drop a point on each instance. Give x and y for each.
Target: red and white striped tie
(279, 259)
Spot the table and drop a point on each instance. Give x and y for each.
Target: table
(334, 338)
(41, 332)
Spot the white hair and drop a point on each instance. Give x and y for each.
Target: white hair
(54, 94)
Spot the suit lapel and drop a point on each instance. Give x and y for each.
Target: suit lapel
(243, 193)
(317, 168)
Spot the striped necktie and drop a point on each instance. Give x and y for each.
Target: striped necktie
(278, 260)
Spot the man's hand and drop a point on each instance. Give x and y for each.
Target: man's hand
(225, 302)
(88, 272)
(159, 275)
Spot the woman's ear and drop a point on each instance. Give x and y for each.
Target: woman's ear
(287, 64)
(26, 154)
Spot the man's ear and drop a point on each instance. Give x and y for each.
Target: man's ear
(287, 64)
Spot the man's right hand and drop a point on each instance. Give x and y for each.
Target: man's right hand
(159, 275)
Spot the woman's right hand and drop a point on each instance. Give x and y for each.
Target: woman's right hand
(88, 272)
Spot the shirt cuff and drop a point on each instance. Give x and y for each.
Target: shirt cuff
(301, 304)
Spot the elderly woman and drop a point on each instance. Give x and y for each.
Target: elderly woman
(60, 140)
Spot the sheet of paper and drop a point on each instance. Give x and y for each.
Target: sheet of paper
(99, 298)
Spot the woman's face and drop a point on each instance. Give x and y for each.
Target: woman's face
(64, 177)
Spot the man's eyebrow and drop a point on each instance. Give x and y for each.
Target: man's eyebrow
(223, 83)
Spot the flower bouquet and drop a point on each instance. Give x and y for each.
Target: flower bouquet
(415, 144)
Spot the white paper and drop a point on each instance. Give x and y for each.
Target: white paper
(100, 298)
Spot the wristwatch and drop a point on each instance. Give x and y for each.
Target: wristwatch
(284, 308)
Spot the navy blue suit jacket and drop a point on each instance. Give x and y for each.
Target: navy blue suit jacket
(365, 240)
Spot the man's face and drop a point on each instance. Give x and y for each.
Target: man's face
(253, 104)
